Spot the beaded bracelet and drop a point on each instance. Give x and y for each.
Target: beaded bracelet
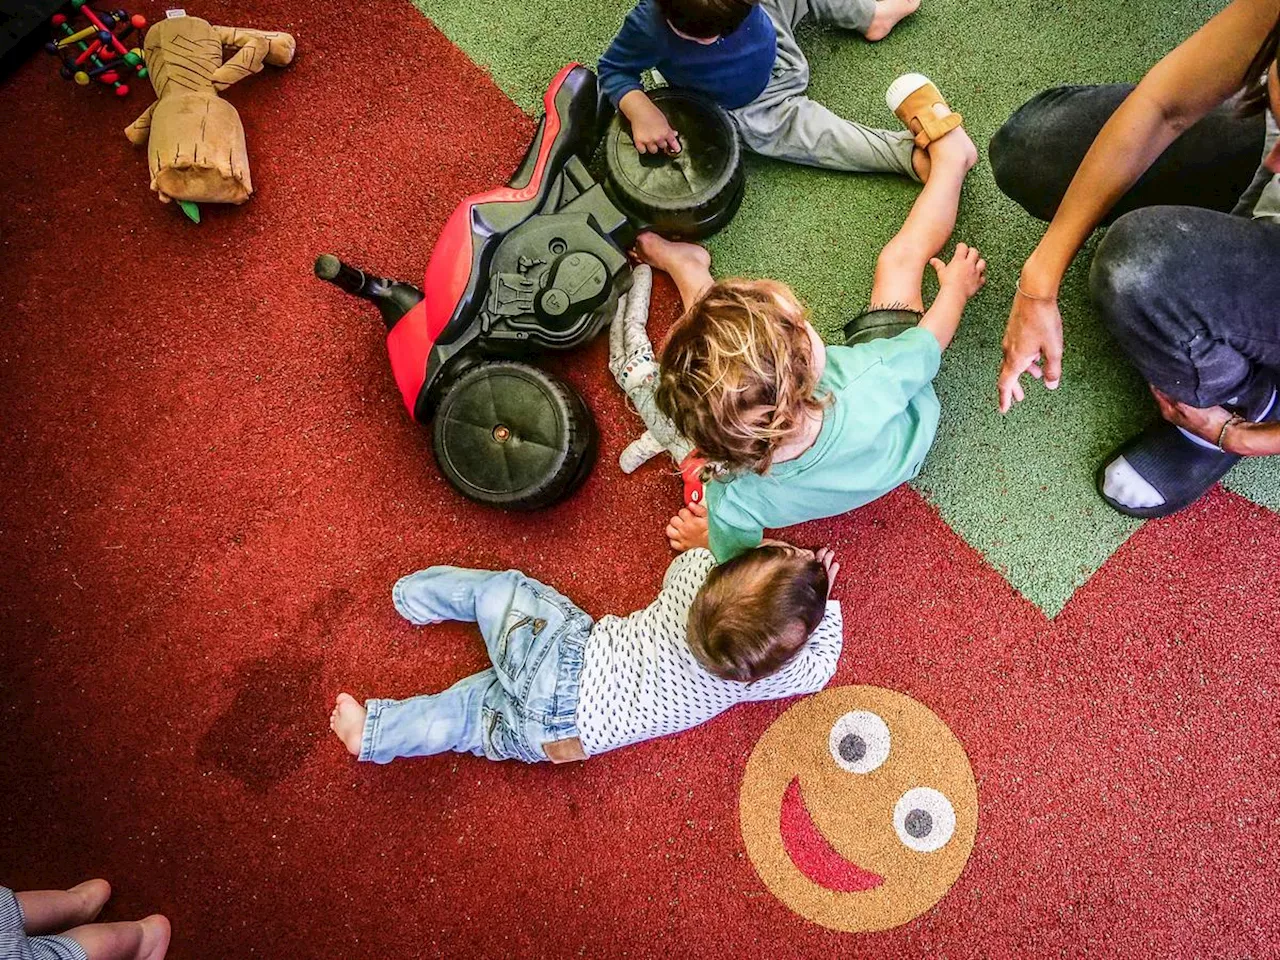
(1222, 434)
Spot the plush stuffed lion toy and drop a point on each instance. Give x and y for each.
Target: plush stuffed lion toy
(195, 141)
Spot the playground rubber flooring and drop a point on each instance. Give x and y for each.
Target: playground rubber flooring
(210, 485)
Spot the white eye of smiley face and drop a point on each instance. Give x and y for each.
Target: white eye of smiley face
(859, 742)
(924, 819)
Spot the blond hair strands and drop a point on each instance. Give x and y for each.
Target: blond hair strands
(738, 373)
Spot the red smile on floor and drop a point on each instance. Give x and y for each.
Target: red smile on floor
(811, 852)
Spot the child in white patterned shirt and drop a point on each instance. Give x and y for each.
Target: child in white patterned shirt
(760, 627)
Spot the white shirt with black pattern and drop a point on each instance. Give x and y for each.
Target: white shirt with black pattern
(640, 680)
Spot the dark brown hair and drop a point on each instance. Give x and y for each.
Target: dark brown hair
(1255, 98)
(755, 612)
(738, 373)
(706, 18)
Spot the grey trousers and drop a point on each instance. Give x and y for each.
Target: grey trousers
(785, 124)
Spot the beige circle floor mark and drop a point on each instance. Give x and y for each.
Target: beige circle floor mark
(859, 808)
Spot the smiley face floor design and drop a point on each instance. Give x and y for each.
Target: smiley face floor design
(859, 808)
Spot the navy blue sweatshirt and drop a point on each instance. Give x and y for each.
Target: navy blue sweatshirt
(732, 71)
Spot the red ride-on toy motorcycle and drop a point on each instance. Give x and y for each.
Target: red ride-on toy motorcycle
(535, 265)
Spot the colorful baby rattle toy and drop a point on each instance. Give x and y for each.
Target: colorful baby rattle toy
(97, 51)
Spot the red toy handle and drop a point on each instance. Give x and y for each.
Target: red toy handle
(691, 470)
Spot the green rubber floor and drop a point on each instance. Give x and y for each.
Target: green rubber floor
(1020, 488)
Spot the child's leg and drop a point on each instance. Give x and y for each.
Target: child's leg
(146, 939)
(785, 124)
(632, 362)
(446, 593)
(849, 14)
(787, 14)
(794, 128)
(512, 611)
(518, 618)
(383, 730)
(48, 911)
(630, 351)
(496, 601)
(688, 264)
(874, 19)
(901, 264)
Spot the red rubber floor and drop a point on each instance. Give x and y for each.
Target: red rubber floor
(209, 487)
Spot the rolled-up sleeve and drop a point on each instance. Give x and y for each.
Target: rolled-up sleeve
(897, 368)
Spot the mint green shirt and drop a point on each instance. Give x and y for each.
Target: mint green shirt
(875, 433)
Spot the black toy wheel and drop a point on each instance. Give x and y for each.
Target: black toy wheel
(691, 195)
(510, 435)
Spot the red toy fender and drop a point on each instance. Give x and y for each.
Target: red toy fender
(453, 262)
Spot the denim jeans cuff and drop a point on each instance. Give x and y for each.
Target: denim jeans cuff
(397, 598)
(373, 710)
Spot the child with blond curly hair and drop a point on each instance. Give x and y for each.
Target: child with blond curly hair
(793, 429)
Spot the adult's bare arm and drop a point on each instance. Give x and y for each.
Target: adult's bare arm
(1178, 91)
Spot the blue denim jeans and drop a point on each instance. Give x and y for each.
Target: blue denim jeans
(527, 698)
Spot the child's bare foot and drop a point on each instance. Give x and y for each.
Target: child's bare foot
(688, 264)
(347, 721)
(688, 528)
(888, 14)
(670, 255)
(94, 894)
(155, 937)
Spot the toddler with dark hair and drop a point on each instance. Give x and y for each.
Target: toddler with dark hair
(743, 54)
(561, 687)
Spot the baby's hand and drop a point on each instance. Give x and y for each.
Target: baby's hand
(966, 272)
(688, 528)
(827, 558)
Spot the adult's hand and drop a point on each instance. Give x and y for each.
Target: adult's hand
(1207, 423)
(1032, 344)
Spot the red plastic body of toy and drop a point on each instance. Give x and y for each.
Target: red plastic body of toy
(409, 344)
(691, 472)
(450, 272)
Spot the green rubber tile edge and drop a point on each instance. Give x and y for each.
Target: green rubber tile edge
(1020, 489)
(1257, 479)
